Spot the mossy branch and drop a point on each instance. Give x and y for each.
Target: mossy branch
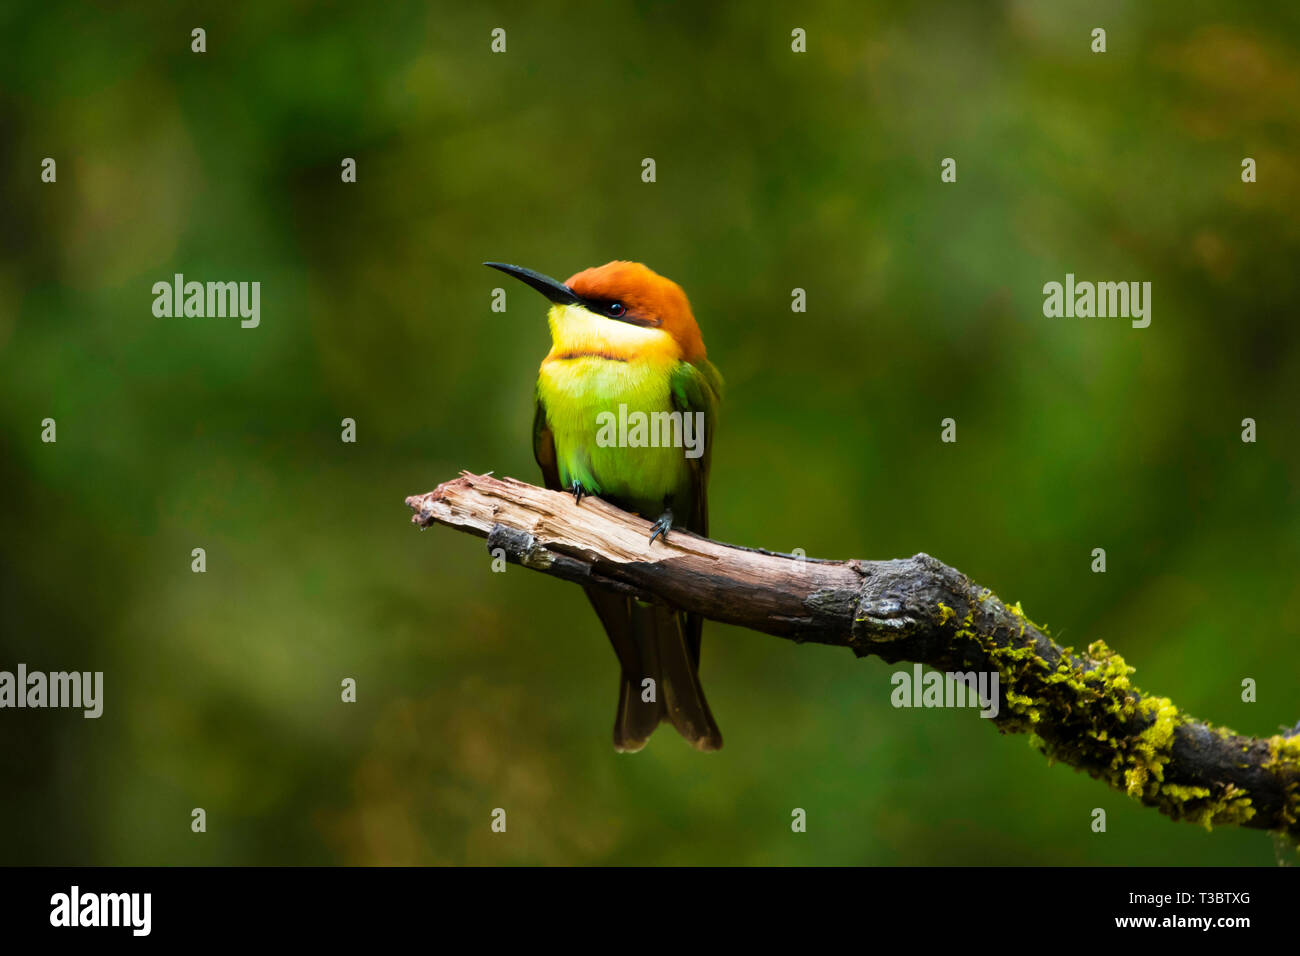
(1079, 708)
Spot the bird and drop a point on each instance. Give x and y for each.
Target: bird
(625, 346)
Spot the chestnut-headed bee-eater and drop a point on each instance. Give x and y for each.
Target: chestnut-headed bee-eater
(624, 345)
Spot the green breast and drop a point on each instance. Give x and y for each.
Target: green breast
(592, 405)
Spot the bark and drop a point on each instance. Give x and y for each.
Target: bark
(1081, 708)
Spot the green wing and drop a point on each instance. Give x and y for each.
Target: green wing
(544, 448)
(698, 388)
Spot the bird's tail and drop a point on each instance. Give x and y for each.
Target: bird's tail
(652, 643)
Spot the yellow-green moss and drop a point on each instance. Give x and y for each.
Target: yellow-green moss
(1284, 758)
(1085, 711)
(1283, 751)
(1149, 750)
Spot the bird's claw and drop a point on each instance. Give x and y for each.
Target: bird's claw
(662, 526)
(578, 491)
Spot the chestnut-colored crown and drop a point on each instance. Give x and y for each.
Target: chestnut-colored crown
(650, 299)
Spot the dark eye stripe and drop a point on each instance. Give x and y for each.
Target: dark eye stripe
(614, 309)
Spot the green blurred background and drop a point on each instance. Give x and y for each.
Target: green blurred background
(775, 171)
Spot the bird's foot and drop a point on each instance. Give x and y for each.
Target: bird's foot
(663, 525)
(578, 491)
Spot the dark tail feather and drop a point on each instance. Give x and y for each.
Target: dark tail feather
(679, 682)
(636, 719)
(650, 641)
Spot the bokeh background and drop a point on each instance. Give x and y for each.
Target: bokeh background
(775, 170)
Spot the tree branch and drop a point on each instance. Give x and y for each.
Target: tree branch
(1079, 708)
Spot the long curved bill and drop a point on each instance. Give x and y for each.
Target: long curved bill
(554, 290)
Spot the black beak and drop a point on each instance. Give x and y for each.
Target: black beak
(556, 292)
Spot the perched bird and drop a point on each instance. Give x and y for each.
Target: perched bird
(626, 346)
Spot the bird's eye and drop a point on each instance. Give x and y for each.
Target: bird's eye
(615, 309)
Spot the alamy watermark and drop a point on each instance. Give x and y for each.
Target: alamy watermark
(37, 689)
(129, 910)
(936, 689)
(209, 300)
(1086, 300)
(638, 429)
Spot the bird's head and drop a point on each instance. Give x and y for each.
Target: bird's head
(620, 309)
